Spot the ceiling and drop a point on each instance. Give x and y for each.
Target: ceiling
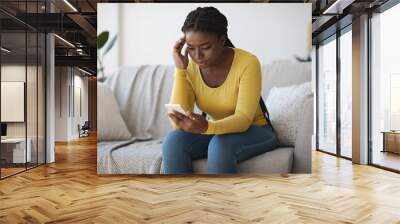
(76, 26)
(76, 21)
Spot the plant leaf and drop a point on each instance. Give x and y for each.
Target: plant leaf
(110, 45)
(102, 39)
(102, 79)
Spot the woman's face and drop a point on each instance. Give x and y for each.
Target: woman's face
(204, 48)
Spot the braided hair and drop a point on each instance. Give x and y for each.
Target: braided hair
(207, 19)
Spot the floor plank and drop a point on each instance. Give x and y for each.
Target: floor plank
(70, 191)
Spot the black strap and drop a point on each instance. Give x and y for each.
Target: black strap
(266, 113)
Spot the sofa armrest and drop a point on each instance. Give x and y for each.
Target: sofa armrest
(302, 148)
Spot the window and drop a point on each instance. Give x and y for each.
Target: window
(395, 102)
(385, 87)
(22, 75)
(327, 97)
(346, 94)
(334, 106)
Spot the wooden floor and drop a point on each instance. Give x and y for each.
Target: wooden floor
(10, 171)
(70, 191)
(387, 159)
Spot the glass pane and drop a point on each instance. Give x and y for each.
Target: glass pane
(23, 93)
(31, 101)
(386, 89)
(394, 101)
(346, 94)
(31, 86)
(13, 87)
(41, 99)
(327, 97)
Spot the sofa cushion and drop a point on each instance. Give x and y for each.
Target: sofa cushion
(285, 105)
(276, 161)
(141, 157)
(111, 126)
(146, 158)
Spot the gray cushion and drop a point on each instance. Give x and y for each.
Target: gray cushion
(276, 161)
(110, 128)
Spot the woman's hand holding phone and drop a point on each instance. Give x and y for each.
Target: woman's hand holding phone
(193, 123)
(181, 61)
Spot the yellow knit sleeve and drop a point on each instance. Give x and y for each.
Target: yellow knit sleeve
(182, 92)
(247, 102)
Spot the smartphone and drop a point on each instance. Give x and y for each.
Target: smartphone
(175, 107)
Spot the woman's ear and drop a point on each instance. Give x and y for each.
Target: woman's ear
(222, 40)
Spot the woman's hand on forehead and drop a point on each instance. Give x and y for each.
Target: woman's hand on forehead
(181, 60)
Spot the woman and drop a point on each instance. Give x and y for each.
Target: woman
(224, 82)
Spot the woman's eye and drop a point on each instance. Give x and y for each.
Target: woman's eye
(206, 48)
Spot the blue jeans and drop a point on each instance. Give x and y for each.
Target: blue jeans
(180, 148)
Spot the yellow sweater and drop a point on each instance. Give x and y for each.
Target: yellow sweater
(232, 106)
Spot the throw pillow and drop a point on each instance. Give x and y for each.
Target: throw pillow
(110, 124)
(285, 106)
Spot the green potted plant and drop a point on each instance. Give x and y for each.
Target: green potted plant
(102, 40)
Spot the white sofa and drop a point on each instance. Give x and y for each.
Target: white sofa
(141, 93)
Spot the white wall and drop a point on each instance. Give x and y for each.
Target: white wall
(68, 80)
(148, 31)
(108, 20)
(61, 103)
(80, 83)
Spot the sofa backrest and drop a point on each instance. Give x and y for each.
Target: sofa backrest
(284, 73)
(142, 91)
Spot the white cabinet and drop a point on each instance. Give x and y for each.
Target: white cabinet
(15, 148)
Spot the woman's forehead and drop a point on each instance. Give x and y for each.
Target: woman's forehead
(198, 37)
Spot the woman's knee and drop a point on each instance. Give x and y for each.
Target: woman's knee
(173, 143)
(221, 146)
(221, 155)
